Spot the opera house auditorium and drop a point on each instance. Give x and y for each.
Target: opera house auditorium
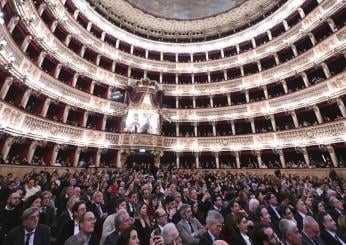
(158, 122)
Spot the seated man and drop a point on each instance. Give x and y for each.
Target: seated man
(190, 229)
(171, 235)
(290, 232)
(30, 232)
(214, 222)
(86, 230)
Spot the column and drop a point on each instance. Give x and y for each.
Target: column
(26, 43)
(5, 87)
(193, 78)
(242, 70)
(161, 56)
(114, 63)
(306, 156)
(98, 59)
(209, 77)
(332, 154)
(25, 98)
(206, 56)
(341, 106)
(253, 42)
(312, 38)
(131, 49)
(75, 79)
(284, 85)
(55, 152)
(229, 99)
(75, 14)
(197, 159)
(117, 43)
(89, 26)
(98, 157)
(82, 51)
(161, 77)
(276, 57)
(177, 129)
(146, 54)
(284, 22)
(211, 101)
(253, 128)
(145, 74)
(294, 49)
(109, 92)
(305, 79)
(332, 25)
(233, 127)
(45, 107)
(176, 78)
(247, 96)
(65, 115)
(225, 75)
(104, 122)
(68, 39)
(41, 58)
(76, 157)
(7, 147)
(194, 102)
(31, 151)
(214, 127)
(237, 48)
(326, 70)
(103, 36)
(237, 159)
(295, 119)
(41, 9)
(272, 120)
(222, 54)
(57, 71)
(85, 119)
(92, 86)
(217, 160)
(259, 66)
(177, 102)
(177, 159)
(318, 114)
(12, 24)
(259, 159)
(282, 158)
(53, 26)
(269, 34)
(301, 13)
(195, 129)
(265, 90)
(118, 163)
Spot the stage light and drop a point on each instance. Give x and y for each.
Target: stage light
(142, 150)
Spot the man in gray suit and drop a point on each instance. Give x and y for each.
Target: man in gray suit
(86, 230)
(190, 229)
(311, 232)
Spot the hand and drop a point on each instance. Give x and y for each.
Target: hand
(156, 240)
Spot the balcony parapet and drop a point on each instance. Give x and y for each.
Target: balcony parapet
(19, 123)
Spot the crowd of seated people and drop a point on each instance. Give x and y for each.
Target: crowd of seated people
(92, 206)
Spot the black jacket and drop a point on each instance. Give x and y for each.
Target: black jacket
(41, 237)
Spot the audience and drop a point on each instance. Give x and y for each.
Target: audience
(171, 207)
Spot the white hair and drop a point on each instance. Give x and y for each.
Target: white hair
(286, 226)
(214, 217)
(253, 204)
(167, 231)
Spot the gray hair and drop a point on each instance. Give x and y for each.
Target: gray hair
(333, 201)
(119, 217)
(183, 209)
(286, 226)
(309, 220)
(253, 204)
(71, 200)
(28, 212)
(167, 231)
(214, 217)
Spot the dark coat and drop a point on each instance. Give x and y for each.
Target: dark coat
(17, 235)
(328, 239)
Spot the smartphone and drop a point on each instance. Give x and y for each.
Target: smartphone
(157, 232)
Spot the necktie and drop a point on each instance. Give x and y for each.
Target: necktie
(191, 228)
(338, 239)
(100, 210)
(27, 239)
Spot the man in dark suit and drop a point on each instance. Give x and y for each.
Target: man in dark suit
(71, 227)
(214, 223)
(99, 210)
(86, 231)
(30, 232)
(131, 203)
(337, 208)
(47, 213)
(272, 202)
(311, 232)
(60, 201)
(329, 232)
(301, 212)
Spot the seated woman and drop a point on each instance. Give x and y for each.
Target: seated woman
(142, 223)
(239, 233)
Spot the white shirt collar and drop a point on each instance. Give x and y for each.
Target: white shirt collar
(212, 236)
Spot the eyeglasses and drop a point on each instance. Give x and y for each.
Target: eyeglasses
(162, 215)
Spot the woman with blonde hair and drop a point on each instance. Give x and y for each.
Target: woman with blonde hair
(142, 223)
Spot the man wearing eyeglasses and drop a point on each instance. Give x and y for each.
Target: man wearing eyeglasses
(160, 219)
(86, 231)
